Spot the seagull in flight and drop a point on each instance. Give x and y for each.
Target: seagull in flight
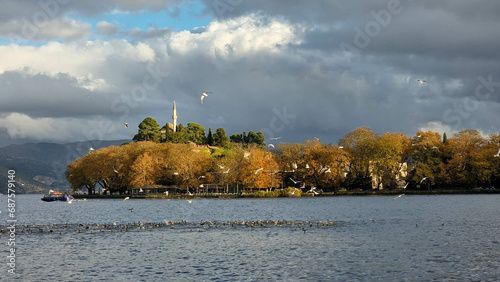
(270, 145)
(259, 170)
(313, 190)
(497, 155)
(399, 196)
(126, 124)
(421, 81)
(295, 182)
(221, 167)
(303, 185)
(126, 198)
(205, 94)
(423, 179)
(275, 138)
(227, 171)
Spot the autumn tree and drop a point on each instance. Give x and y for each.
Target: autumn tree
(466, 166)
(260, 170)
(143, 170)
(389, 158)
(325, 164)
(291, 160)
(75, 174)
(227, 165)
(360, 146)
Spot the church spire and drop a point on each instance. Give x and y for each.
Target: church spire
(174, 117)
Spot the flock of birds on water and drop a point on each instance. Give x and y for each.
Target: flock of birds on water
(186, 226)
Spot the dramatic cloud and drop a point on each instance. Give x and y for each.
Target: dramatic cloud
(287, 68)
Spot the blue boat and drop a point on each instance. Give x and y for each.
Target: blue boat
(56, 196)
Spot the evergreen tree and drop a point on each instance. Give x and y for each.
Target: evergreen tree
(256, 138)
(210, 139)
(149, 130)
(236, 138)
(445, 138)
(220, 138)
(181, 136)
(196, 133)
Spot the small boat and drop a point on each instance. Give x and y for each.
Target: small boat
(56, 196)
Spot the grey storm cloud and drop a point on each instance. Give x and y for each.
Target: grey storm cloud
(287, 68)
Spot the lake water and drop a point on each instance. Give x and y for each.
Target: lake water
(411, 238)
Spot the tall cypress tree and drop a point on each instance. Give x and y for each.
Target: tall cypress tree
(210, 138)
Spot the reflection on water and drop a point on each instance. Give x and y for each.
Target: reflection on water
(412, 238)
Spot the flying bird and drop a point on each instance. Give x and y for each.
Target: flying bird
(497, 155)
(275, 138)
(295, 182)
(205, 94)
(421, 81)
(126, 198)
(313, 190)
(270, 145)
(399, 196)
(126, 124)
(423, 179)
(259, 170)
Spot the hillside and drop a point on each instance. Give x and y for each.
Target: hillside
(41, 166)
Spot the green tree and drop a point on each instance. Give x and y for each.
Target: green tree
(257, 138)
(181, 136)
(220, 138)
(210, 138)
(149, 130)
(236, 138)
(196, 133)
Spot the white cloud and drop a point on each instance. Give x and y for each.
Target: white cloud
(437, 126)
(101, 59)
(238, 37)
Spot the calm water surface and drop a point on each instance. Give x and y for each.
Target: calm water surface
(412, 238)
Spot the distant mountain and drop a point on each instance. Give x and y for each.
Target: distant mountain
(41, 166)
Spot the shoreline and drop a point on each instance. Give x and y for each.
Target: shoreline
(304, 195)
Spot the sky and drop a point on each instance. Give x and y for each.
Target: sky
(77, 70)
